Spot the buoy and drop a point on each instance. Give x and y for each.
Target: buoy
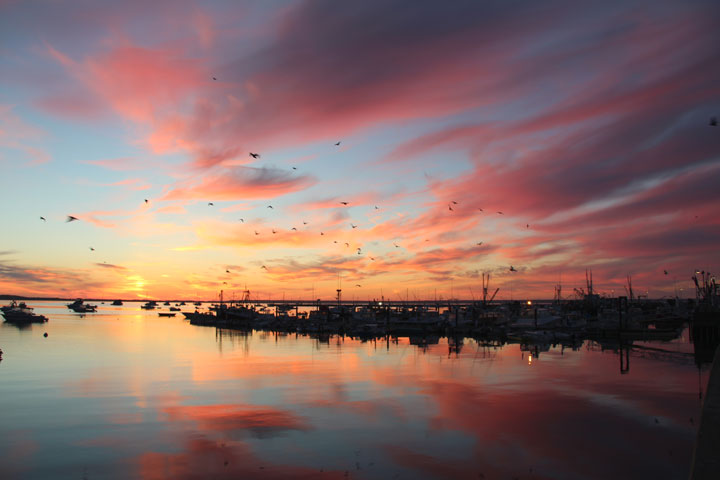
(45, 334)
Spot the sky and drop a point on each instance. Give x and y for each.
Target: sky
(465, 137)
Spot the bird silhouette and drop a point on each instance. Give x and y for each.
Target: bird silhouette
(376, 207)
(359, 250)
(210, 204)
(479, 243)
(450, 208)
(224, 283)
(227, 271)
(527, 225)
(358, 285)
(344, 203)
(92, 249)
(256, 232)
(347, 244)
(243, 221)
(274, 231)
(512, 269)
(353, 226)
(396, 245)
(294, 168)
(665, 272)
(214, 78)
(500, 213)
(304, 223)
(255, 155)
(713, 121)
(270, 207)
(294, 229)
(334, 241)
(321, 233)
(43, 219)
(146, 200)
(454, 202)
(372, 258)
(70, 218)
(337, 144)
(481, 209)
(264, 267)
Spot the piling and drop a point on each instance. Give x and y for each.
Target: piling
(706, 457)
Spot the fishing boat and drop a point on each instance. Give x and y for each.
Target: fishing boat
(78, 306)
(150, 305)
(20, 313)
(117, 302)
(166, 314)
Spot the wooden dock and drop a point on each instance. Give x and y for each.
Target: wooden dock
(706, 457)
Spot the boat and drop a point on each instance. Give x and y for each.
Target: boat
(166, 314)
(20, 313)
(166, 303)
(117, 302)
(78, 306)
(198, 304)
(150, 305)
(13, 306)
(174, 309)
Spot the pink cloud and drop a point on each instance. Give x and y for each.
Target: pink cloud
(240, 183)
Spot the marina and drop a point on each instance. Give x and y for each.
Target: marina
(170, 398)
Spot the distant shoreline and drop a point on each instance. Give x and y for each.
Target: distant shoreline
(458, 301)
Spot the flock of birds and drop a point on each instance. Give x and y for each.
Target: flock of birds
(254, 155)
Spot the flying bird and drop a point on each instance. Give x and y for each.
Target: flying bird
(227, 271)
(271, 207)
(294, 229)
(243, 221)
(70, 218)
(500, 213)
(294, 168)
(481, 209)
(224, 283)
(274, 231)
(43, 219)
(344, 203)
(210, 204)
(337, 144)
(146, 200)
(450, 208)
(264, 267)
(396, 245)
(353, 226)
(527, 225)
(358, 285)
(321, 233)
(454, 202)
(372, 258)
(334, 241)
(214, 78)
(376, 207)
(359, 250)
(713, 121)
(304, 223)
(512, 269)
(347, 244)
(479, 243)
(92, 249)
(665, 272)
(256, 232)
(255, 155)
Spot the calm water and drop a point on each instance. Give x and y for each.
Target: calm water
(125, 394)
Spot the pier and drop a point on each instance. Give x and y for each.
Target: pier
(706, 458)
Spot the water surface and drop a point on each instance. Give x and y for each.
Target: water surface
(123, 393)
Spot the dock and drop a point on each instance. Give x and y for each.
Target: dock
(706, 457)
